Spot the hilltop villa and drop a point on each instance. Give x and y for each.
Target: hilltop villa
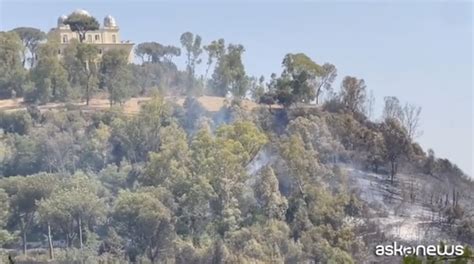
(106, 37)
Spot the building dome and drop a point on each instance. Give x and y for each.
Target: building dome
(61, 20)
(80, 12)
(109, 21)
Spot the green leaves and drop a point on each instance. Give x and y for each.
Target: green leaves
(397, 144)
(268, 194)
(116, 75)
(143, 219)
(299, 80)
(214, 50)
(229, 74)
(31, 38)
(353, 94)
(81, 24)
(12, 73)
(170, 166)
(192, 44)
(153, 52)
(75, 202)
(49, 76)
(246, 133)
(295, 64)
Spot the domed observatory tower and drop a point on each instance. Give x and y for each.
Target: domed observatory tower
(110, 26)
(61, 20)
(81, 12)
(109, 22)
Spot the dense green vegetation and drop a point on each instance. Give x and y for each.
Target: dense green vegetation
(179, 184)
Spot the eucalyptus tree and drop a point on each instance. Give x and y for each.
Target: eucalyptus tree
(229, 74)
(329, 74)
(271, 201)
(214, 50)
(299, 79)
(192, 45)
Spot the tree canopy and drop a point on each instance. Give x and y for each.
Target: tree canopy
(81, 24)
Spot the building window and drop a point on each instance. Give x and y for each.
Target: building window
(114, 39)
(97, 38)
(89, 38)
(59, 51)
(100, 51)
(65, 39)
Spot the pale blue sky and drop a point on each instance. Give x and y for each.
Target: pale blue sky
(420, 52)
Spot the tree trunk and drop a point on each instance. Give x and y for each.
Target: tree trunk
(392, 172)
(79, 223)
(454, 197)
(23, 61)
(87, 93)
(33, 60)
(152, 256)
(318, 93)
(50, 242)
(23, 239)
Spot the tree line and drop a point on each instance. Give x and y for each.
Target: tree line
(179, 184)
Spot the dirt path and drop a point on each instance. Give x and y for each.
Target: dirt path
(132, 106)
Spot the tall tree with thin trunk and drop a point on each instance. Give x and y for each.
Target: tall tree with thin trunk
(392, 108)
(115, 75)
(214, 51)
(397, 144)
(88, 57)
(229, 74)
(192, 45)
(74, 205)
(329, 73)
(411, 120)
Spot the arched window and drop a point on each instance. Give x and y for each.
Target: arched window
(65, 40)
(114, 39)
(97, 38)
(89, 38)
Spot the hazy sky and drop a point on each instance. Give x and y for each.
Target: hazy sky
(420, 52)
